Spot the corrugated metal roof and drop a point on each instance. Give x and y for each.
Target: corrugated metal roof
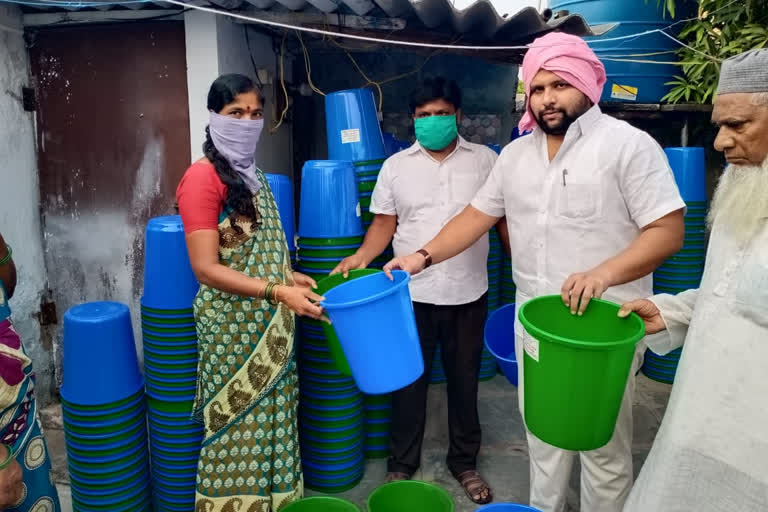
(478, 22)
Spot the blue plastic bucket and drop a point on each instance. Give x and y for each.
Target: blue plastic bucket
(169, 282)
(329, 205)
(352, 126)
(100, 362)
(500, 340)
(690, 169)
(376, 326)
(506, 507)
(282, 190)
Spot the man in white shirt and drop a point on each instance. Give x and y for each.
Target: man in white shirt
(711, 452)
(592, 209)
(418, 191)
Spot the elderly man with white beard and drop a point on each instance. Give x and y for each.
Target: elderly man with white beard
(711, 452)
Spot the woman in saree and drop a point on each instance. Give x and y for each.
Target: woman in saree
(247, 386)
(25, 468)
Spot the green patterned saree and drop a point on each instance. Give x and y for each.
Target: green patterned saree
(247, 387)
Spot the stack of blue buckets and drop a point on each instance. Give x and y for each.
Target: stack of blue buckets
(282, 190)
(170, 364)
(104, 410)
(354, 135)
(330, 404)
(685, 269)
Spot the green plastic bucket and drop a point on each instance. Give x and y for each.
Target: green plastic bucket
(575, 370)
(326, 253)
(366, 186)
(410, 496)
(337, 354)
(323, 242)
(321, 504)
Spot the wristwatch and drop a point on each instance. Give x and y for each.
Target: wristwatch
(427, 257)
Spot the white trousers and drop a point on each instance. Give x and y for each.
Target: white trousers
(606, 473)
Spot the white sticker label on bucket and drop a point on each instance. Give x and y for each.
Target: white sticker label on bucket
(357, 209)
(531, 346)
(350, 136)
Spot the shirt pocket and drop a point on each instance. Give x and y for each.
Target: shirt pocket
(464, 187)
(580, 199)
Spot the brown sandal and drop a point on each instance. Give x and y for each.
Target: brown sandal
(475, 487)
(394, 476)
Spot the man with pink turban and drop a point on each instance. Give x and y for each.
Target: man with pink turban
(592, 209)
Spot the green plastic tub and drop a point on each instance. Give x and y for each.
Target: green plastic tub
(321, 504)
(575, 370)
(410, 496)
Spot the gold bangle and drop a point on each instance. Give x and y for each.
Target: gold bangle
(268, 292)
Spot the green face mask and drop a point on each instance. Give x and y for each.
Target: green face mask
(435, 132)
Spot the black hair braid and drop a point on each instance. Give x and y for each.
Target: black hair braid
(239, 196)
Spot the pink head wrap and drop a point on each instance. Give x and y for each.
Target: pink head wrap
(570, 58)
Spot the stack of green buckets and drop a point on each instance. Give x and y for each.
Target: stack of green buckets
(104, 412)
(685, 269)
(508, 288)
(170, 364)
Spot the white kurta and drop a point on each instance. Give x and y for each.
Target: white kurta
(607, 182)
(711, 452)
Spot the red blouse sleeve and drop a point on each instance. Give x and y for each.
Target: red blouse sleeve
(200, 196)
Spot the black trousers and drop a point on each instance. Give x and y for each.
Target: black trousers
(459, 330)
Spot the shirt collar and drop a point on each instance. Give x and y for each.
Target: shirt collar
(589, 119)
(462, 144)
(582, 125)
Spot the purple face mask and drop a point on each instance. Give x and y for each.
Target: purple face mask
(236, 140)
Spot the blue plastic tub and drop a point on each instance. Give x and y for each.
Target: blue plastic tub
(376, 326)
(282, 190)
(352, 126)
(100, 362)
(500, 340)
(690, 169)
(169, 282)
(329, 206)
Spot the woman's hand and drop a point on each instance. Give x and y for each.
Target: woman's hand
(301, 300)
(11, 482)
(303, 280)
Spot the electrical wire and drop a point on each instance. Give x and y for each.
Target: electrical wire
(368, 80)
(366, 38)
(308, 66)
(399, 42)
(76, 4)
(282, 84)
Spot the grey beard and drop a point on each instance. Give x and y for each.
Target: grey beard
(740, 203)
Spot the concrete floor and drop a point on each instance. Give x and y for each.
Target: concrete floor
(503, 457)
